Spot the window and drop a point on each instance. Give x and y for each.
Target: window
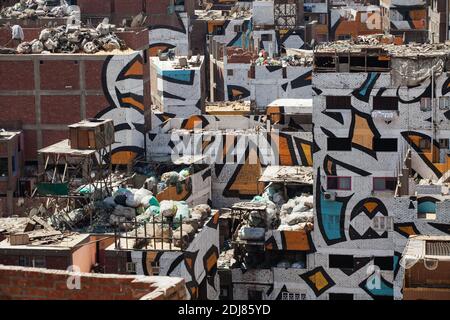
(425, 104)
(444, 103)
(130, 267)
(155, 268)
(340, 296)
(237, 28)
(341, 261)
(425, 144)
(385, 145)
(293, 296)
(382, 223)
(443, 143)
(339, 144)
(3, 167)
(266, 37)
(338, 102)
(339, 183)
(230, 72)
(384, 263)
(35, 262)
(385, 103)
(384, 183)
(254, 295)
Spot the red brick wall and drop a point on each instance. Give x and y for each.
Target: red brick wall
(95, 7)
(18, 75)
(57, 262)
(18, 283)
(60, 75)
(60, 109)
(18, 108)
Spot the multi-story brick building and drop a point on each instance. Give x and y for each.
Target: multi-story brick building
(43, 93)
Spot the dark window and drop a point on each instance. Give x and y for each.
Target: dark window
(339, 183)
(443, 143)
(385, 145)
(384, 263)
(254, 295)
(340, 296)
(341, 261)
(338, 102)
(339, 144)
(384, 183)
(13, 164)
(266, 37)
(3, 167)
(385, 103)
(230, 72)
(425, 144)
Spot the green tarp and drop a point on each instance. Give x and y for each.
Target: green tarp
(53, 189)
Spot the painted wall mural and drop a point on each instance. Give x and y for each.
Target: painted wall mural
(197, 264)
(123, 87)
(351, 144)
(170, 36)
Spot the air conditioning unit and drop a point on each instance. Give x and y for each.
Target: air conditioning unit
(330, 196)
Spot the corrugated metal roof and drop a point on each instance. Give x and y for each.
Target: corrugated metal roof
(438, 248)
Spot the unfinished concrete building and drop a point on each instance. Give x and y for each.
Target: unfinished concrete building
(381, 166)
(11, 168)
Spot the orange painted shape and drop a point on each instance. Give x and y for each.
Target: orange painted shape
(408, 230)
(123, 157)
(296, 240)
(135, 70)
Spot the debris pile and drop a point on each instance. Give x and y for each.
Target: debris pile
(385, 42)
(74, 39)
(291, 59)
(33, 230)
(33, 9)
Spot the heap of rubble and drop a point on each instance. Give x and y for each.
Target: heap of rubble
(32, 9)
(387, 43)
(74, 39)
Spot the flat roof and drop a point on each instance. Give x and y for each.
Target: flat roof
(175, 64)
(379, 42)
(51, 242)
(288, 174)
(428, 247)
(63, 147)
(304, 103)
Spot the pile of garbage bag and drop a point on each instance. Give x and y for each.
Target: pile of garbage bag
(73, 39)
(32, 9)
(297, 214)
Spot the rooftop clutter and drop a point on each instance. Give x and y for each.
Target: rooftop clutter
(74, 39)
(32, 9)
(292, 58)
(385, 42)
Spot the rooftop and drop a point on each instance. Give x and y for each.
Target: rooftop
(178, 63)
(424, 247)
(381, 43)
(288, 174)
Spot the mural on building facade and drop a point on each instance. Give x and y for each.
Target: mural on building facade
(197, 264)
(123, 87)
(350, 221)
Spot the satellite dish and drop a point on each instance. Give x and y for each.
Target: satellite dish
(430, 264)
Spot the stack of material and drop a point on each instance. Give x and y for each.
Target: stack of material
(297, 214)
(74, 39)
(32, 9)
